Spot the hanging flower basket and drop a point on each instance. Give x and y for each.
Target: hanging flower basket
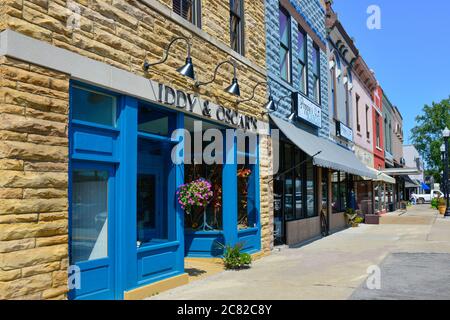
(196, 194)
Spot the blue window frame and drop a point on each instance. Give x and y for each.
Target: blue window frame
(93, 107)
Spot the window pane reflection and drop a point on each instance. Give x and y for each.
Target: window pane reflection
(93, 107)
(152, 225)
(89, 215)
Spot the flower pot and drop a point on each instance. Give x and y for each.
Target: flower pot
(442, 209)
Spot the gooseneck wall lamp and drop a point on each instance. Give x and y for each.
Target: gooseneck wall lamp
(187, 70)
(234, 86)
(271, 106)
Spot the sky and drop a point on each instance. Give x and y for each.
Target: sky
(410, 54)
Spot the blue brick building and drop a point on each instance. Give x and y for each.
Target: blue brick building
(298, 75)
(312, 15)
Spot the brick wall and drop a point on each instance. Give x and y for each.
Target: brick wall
(34, 107)
(33, 181)
(314, 15)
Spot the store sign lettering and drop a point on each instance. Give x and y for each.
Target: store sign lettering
(193, 103)
(344, 131)
(307, 110)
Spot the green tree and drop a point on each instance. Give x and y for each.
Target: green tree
(427, 135)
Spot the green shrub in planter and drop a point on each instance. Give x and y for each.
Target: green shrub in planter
(234, 258)
(434, 203)
(358, 220)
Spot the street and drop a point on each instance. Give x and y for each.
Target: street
(411, 249)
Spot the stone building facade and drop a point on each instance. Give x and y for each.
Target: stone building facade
(45, 46)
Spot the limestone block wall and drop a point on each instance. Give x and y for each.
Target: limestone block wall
(125, 33)
(266, 193)
(33, 181)
(34, 108)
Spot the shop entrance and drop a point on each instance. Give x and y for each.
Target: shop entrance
(150, 194)
(92, 231)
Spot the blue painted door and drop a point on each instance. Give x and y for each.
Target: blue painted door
(92, 230)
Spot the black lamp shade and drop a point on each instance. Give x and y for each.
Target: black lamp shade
(234, 88)
(270, 105)
(188, 69)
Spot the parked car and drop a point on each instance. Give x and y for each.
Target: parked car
(425, 197)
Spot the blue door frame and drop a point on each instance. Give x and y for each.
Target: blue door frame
(97, 276)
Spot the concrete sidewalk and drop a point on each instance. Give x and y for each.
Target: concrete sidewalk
(330, 268)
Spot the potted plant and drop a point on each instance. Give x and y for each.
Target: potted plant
(442, 206)
(234, 258)
(194, 197)
(434, 203)
(353, 219)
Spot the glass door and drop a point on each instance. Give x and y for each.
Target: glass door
(92, 216)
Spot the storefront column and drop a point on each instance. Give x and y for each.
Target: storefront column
(127, 175)
(177, 174)
(229, 197)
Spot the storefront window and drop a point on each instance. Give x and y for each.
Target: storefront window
(299, 184)
(155, 122)
(310, 192)
(211, 217)
(298, 187)
(246, 175)
(339, 183)
(94, 107)
(364, 197)
(379, 198)
(343, 191)
(89, 215)
(288, 183)
(325, 189)
(152, 225)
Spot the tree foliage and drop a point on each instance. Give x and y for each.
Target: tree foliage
(427, 135)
